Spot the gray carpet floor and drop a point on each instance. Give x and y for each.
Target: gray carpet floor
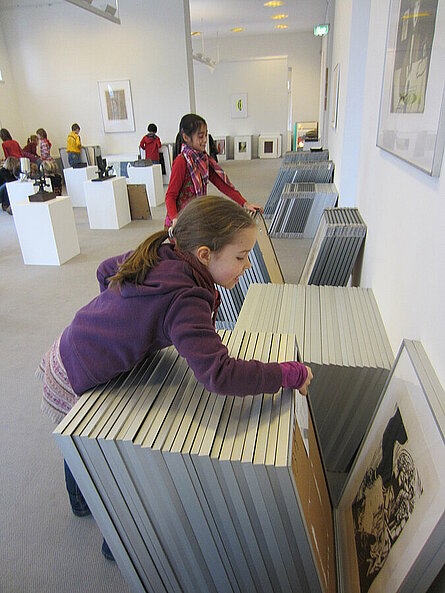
(43, 546)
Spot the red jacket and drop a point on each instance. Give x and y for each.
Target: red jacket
(180, 189)
(12, 148)
(151, 144)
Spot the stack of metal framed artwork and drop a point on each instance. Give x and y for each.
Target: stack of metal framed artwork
(340, 335)
(301, 156)
(264, 268)
(198, 492)
(335, 248)
(297, 172)
(300, 208)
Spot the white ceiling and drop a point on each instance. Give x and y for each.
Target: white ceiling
(219, 16)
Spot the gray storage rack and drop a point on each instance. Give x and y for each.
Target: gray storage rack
(311, 171)
(335, 248)
(300, 208)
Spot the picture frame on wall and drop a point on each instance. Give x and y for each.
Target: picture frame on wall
(116, 106)
(412, 107)
(335, 89)
(390, 521)
(239, 105)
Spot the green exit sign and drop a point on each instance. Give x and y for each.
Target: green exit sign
(320, 30)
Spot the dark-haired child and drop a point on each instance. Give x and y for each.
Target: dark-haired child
(10, 147)
(193, 168)
(151, 143)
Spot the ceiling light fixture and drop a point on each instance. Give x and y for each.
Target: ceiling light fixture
(237, 29)
(279, 17)
(273, 4)
(281, 27)
(108, 12)
(196, 33)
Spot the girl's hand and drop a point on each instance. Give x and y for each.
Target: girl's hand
(253, 207)
(303, 388)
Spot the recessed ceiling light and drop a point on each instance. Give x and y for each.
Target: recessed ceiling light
(273, 3)
(237, 29)
(278, 17)
(196, 33)
(281, 27)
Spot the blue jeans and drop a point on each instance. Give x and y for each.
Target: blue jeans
(77, 501)
(73, 158)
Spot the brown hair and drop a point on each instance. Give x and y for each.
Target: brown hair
(75, 127)
(211, 221)
(5, 135)
(42, 133)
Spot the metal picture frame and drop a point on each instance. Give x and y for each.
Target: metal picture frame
(116, 106)
(412, 107)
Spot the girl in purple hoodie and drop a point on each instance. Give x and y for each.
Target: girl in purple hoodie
(158, 295)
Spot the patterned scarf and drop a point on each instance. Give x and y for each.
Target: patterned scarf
(203, 278)
(198, 164)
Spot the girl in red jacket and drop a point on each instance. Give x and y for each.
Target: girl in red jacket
(193, 168)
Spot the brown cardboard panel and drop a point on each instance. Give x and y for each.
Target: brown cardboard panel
(138, 200)
(268, 252)
(312, 489)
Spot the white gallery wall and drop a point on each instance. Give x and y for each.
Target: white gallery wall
(403, 207)
(58, 52)
(302, 51)
(9, 110)
(264, 81)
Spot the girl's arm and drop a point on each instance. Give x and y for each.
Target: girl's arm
(188, 325)
(230, 192)
(177, 177)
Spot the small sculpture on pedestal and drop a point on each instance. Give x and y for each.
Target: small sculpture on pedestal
(41, 195)
(103, 169)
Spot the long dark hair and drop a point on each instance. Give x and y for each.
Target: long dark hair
(189, 124)
(211, 221)
(5, 135)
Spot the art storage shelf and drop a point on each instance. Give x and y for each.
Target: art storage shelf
(75, 183)
(151, 177)
(107, 203)
(46, 231)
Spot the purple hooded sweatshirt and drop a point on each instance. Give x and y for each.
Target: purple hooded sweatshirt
(122, 325)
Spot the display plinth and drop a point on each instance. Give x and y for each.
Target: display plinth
(18, 191)
(107, 203)
(151, 177)
(46, 231)
(75, 184)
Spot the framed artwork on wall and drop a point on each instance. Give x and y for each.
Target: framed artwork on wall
(239, 105)
(335, 87)
(391, 515)
(412, 106)
(116, 106)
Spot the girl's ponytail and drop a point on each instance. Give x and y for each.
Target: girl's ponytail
(135, 268)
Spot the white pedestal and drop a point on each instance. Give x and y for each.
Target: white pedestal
(107, 203)
(152, 178)
(74, 181)
(242, 150)
(18, 191)
(47, 232)
(269, 146)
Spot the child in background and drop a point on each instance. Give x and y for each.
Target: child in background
(10, 147)
(158, 295)
(45, 152)
(74, 145)
(30, 150)
(151, 143)
(193, 168)
(9, 172)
